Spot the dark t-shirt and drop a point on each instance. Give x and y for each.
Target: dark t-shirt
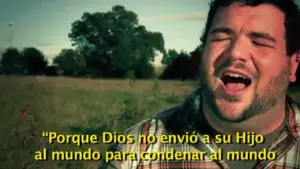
(245, 147)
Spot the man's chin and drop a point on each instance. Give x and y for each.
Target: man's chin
(230, 108)
(233, 112)
(230, 118)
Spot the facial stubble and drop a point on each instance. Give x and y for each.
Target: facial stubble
(260, 103)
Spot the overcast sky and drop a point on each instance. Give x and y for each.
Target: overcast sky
(46, 23)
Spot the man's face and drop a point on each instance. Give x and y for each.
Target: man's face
(245, 70)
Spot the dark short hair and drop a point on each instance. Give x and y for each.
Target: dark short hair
(288, 7)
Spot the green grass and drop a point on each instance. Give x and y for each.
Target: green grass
(77, 106)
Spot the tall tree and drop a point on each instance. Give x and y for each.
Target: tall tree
(113, 42)
(34, 61)
(194, 63)
(178, 64)
(12, 62)
(70, 62)
(169, 57)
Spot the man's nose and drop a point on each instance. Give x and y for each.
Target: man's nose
(238, 50)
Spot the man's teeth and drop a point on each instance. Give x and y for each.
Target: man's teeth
(234, 75)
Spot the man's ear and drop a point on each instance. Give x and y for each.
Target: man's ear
(294, 63)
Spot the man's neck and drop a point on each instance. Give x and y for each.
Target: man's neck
(264, 123)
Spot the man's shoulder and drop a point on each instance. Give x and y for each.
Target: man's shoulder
(296, 108)
(154, 124)
(296, 122)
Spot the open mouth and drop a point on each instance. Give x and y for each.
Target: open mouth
(235, 82)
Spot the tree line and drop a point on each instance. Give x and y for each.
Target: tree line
(70, 62)
(109, 45)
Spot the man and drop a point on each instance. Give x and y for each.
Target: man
(251, 54)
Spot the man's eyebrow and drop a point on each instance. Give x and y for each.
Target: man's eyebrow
(222, 30)
(262, 35)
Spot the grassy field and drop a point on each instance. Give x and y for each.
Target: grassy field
(76, 106)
